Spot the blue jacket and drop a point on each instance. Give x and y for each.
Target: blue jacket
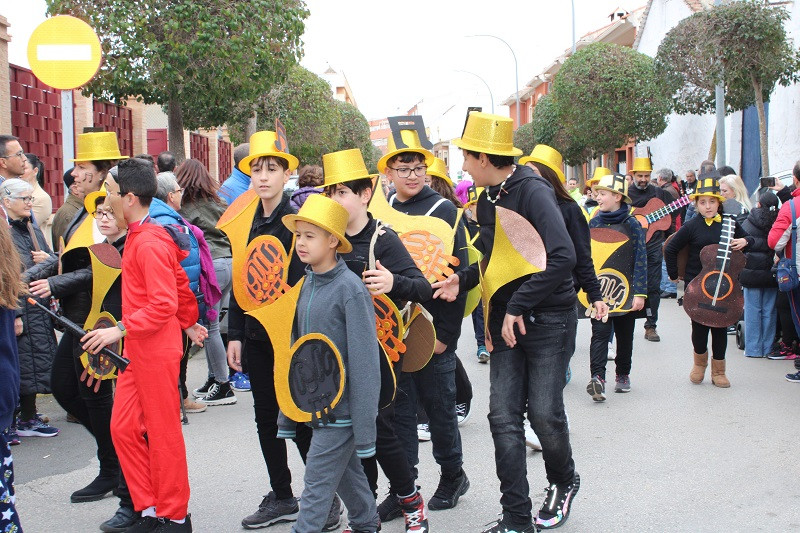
(164, 215)
(9, 368)
(236, 184)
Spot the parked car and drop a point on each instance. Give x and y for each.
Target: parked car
(291, 185)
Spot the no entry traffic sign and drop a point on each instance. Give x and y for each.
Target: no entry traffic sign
(64, 52)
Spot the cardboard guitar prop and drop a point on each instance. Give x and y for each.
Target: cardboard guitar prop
(309, 373)
(714, 297)
(613, 256)
(517, 251)
(653, 215)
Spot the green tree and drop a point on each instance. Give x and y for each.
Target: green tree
(524, 139)
(741, 45)
(372, 154)
(603, 97)
(355, 134)
(304, 105)
(200, 59)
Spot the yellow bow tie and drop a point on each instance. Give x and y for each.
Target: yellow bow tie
(711, 220)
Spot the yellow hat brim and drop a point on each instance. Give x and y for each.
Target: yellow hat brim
(466, 145)
(344, 245)
(531, 159)
(625, 197)
(382, 162)
(89, 201)
(244, 164)
(712, 195)
(105, 156)
(336, 180)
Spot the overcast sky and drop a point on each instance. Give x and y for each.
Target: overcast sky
(398, 54)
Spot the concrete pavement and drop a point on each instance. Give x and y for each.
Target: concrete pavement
(668, 456)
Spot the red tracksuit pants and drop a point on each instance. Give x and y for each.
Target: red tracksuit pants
(147, 434)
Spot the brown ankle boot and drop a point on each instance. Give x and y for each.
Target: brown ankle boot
(718, 376)
(699, 369)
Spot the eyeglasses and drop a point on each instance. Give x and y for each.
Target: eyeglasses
(20, 154)
(405, 172)
(25, 199)
(178, 190)
(99, 214)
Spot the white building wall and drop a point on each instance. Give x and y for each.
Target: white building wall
(783, 132)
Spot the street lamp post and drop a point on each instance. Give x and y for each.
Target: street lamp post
(491, 96)
(516, 70)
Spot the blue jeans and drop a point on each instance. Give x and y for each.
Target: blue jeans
(666, 284)
(760, 319)
(216, 357)
(435, 386)
(530, 377)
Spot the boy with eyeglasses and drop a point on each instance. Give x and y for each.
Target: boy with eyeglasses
(406, 165)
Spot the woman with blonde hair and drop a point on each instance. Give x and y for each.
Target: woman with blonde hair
(733, 188)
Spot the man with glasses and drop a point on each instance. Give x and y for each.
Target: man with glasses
(12, 160)
(406, 165)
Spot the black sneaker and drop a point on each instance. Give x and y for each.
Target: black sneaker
(99, 488)
(272, 511)
(463, 412)
(451, 488)
(166, 525)
(145, 524)
(597, 389)
(202, 391)
(501, 526)
(557, 504)
(124, 518)
(219, 394)
(334, 515)
(389, 508)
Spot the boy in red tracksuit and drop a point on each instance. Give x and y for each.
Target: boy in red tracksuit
(156, 305)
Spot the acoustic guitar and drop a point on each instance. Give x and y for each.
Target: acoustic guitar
(714, 298)
(652, 215)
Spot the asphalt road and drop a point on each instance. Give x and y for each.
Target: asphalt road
(668, 456)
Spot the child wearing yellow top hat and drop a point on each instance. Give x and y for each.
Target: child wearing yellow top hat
(269, 169)
(334, 302)
(434, 385)
(349, 184)
(695, 234)
(533, 322)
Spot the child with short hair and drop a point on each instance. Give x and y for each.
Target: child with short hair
(334, 302)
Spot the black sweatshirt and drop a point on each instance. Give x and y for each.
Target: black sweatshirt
(552, 289)
(584, 275)
(447, 316)
(241, 326)
(409, 282)
(695, 234)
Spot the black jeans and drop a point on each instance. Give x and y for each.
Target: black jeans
(435, 385)
(391, 456)
(654, 258)
(719, 339)
(463, 391)
(92, 409)
(531, 374)
(261, 361)
(622, 327)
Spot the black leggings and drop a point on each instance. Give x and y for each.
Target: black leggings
(719, 340)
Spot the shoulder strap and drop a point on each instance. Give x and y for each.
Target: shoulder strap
(437, 204)
(794, 228)
(38, 248)
(378, 230)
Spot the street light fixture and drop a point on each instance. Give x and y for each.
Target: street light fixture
(491, 96)
(516, 70)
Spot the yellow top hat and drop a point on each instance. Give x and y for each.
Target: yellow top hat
(343, 166)
(98, 146)
(708, 185)
(614, 183)
(324, 213)
(547, 156)
(439, 170)
(90, 201)
(642, 164)
(264, 144)
(411, 140)
(599, 172)
(488, 134)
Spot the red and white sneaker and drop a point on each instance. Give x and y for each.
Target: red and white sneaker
(414, 513)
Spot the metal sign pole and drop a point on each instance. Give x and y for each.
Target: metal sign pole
(67, 132)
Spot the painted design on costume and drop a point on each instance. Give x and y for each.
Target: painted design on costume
(428, 252)
(613, 256)
(419, 337)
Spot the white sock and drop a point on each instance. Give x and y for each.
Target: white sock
(410, 495)
(150, 511)
(181, 521)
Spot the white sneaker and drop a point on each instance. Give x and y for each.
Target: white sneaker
(423, 433)
(531, 440)
(611, 351)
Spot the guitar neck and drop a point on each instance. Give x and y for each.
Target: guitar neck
(667, 209)
(726, 236)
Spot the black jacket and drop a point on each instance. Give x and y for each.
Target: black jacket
(695, 234)
(240, 325)
(447, 316)
(37, 344)
(409, 283)
(639, 198)
(584, 274)
(552, 289)
(757, 272)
